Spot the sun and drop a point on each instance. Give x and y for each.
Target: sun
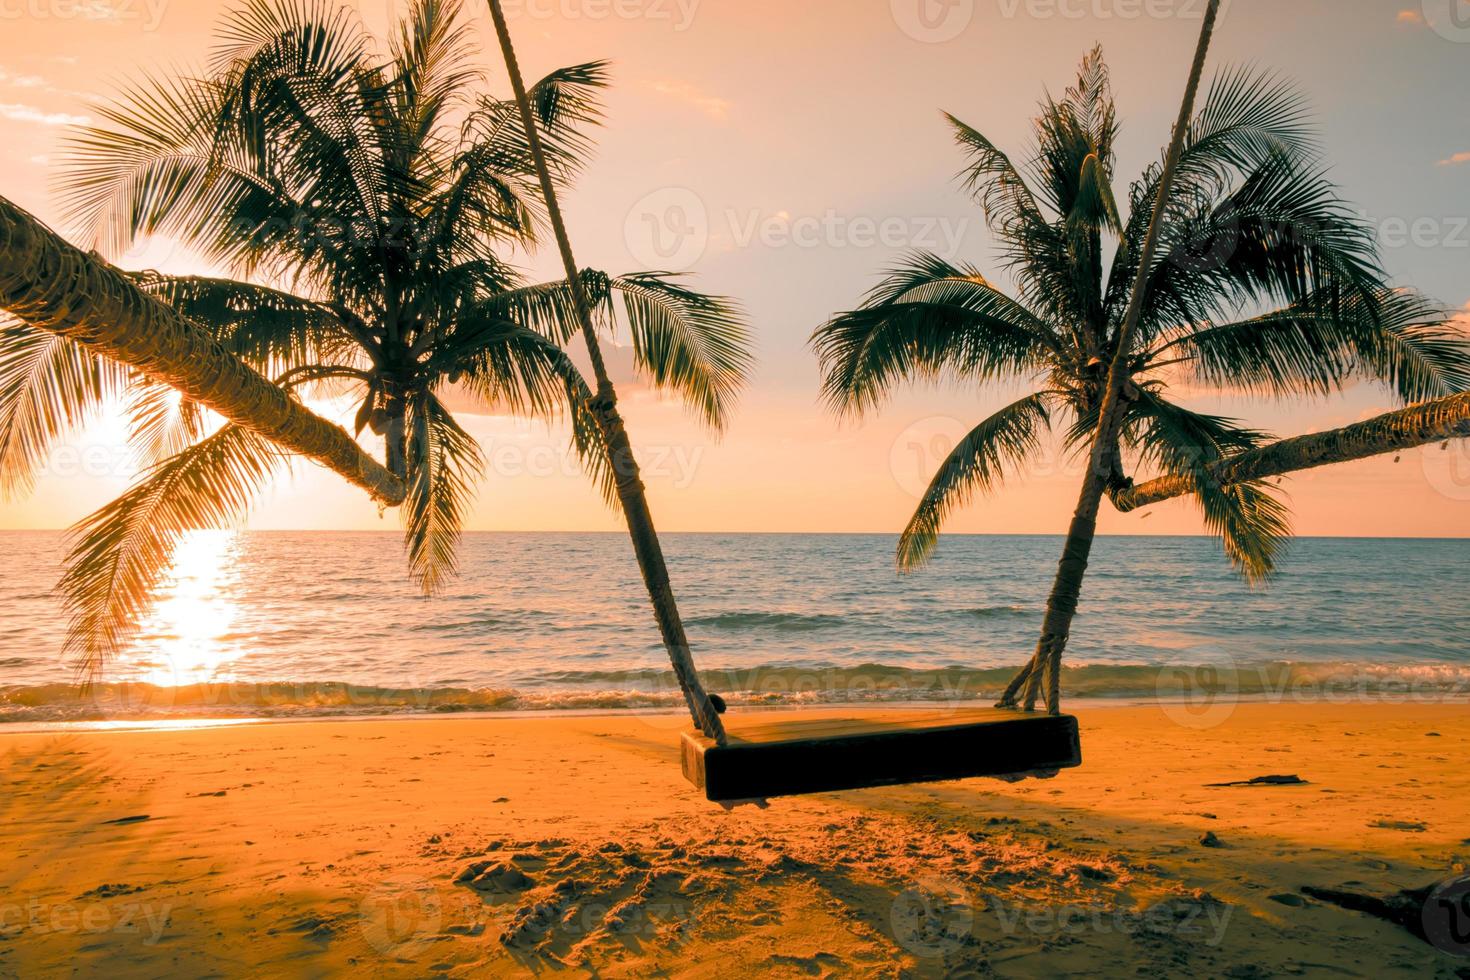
(187, 639)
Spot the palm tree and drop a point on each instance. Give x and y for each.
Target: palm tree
(1263, 282)
(78, 299)
(1408, 428)
(365, 205)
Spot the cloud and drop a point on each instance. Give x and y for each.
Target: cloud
(690, 95)
(21, 81)
(18, 112)
(1456, 159)
(1410, 17)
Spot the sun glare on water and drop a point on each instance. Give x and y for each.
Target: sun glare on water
(186, 639)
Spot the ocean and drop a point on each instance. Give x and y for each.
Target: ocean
(287, 624)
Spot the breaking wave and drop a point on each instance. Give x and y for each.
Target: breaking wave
(757, 686)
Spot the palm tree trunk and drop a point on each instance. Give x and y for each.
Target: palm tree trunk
(614, 433)
(58, 288)
(1061, 605)
(1407, 428)
(395, 435)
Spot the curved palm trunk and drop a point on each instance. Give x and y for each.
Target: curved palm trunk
(56, 287)
(1061, 605)
(614, 433)
(1407, 428)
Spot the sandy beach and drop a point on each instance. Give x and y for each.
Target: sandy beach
(518, 845)
(408, 409)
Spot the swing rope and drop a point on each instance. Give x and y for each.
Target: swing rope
(603, 408)
(1046, 664)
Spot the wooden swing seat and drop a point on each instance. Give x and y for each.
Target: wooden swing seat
(787, 754)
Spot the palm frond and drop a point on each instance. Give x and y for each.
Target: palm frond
(1082, 125)
(156, 168)
(272, 330)
(493, 182)
(1035, 248)
(433, 71)
(121, 554)
(1094, 206)
(48, 385)
(444, 462)
(1252, 525)
(1317, 345)
(976, 465)
(692, 344)
(926, 318)
(546, 308)
(1284, 235)
(997, 184)
(302, 98)
(507, 367)
(161, 423)
(503, 365)
(1247, 118)
(566, 103)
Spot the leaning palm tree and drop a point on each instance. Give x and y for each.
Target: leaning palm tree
(57, 290)
(1418, 425)
(366, 206)
(1261, 281)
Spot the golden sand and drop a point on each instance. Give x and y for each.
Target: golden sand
(514, 845)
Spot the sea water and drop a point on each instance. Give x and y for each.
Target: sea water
(277, 624)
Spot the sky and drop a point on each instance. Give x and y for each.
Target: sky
(787, 154)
